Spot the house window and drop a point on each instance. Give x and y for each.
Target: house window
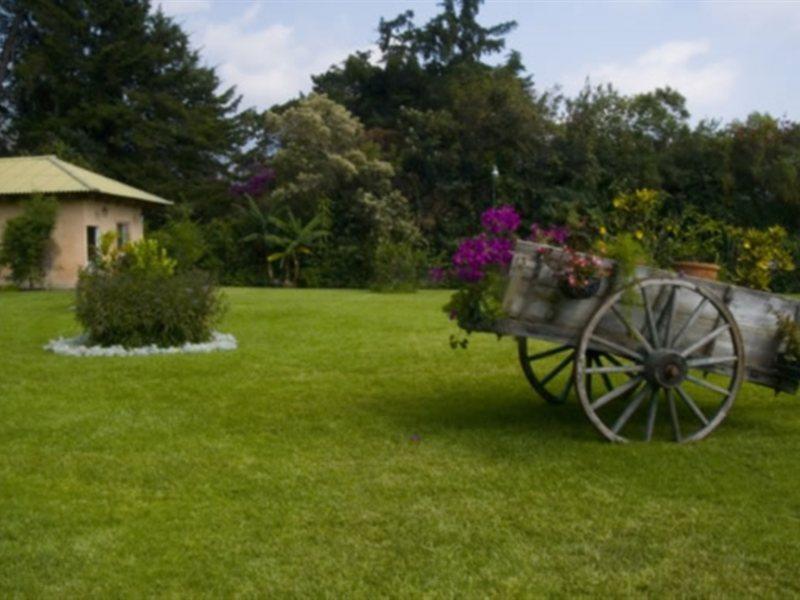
(123, 234)
(91, 242)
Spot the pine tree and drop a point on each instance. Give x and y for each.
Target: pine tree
(120, 87)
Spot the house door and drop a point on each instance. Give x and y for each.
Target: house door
(91, 242)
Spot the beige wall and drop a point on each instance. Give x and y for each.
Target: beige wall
(69, 243)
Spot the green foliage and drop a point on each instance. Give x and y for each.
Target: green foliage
(184, 241)
(638, 216)
(628, 253)
(476, 306)
(117, 86)
(396, 267)
(788, 339)
(328, 173)
(146, 258)
(695, 236)
(759, 254)
(292, 240)
(426, 123)
(26, 241)
(134, 297)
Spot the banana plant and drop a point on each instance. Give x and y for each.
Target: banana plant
(293, 239)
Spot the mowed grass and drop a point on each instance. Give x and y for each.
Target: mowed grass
(346, 450)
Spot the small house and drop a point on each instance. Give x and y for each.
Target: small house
(89, 205)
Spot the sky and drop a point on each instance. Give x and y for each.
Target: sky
(727, 58)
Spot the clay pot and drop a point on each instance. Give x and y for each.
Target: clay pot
(697, 269)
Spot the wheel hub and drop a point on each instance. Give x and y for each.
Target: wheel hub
(665, 368)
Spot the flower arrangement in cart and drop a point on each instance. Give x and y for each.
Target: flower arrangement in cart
(480, 264)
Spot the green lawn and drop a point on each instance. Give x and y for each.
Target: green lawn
(292, 467)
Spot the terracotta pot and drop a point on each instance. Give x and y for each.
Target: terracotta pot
(697, 269)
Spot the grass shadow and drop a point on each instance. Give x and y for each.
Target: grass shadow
(488, 408)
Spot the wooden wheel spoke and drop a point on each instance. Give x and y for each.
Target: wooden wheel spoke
(667, 315)
(639, 366)
(705, 340)
(689, 322)
(565, 392)
(558, 369)
(618, 349)
(616, 393)
(651, 415)
(691, 404)
(707, 384)
(550, 352)
(631, 329)
(620, 369)
(534, 366)
(633, 405)
(606, 379)
(589, 360)
(673, 413)
(612, 359)
(694, 363)
(651, 324)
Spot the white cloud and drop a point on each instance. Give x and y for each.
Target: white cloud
(678, 64)
(268, 63)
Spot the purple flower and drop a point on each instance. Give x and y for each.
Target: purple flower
(500, 251)
(475, 254)
(500, 220)
(256, 184)
(557, 234)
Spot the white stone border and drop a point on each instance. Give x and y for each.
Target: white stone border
(76, 346)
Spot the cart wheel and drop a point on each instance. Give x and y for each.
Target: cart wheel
(661, 356)
(542, 369)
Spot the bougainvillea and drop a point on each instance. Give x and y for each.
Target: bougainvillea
(503, 220)
(475, 255)
(480, 264)
(557, 234)
(478, 267)
(256, 184)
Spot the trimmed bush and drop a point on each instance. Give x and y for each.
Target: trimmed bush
(26, 241)
(136, 298)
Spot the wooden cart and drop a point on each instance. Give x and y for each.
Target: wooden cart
(663, 358)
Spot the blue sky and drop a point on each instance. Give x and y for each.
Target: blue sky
(727, 58)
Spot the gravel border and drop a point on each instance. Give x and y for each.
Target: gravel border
(76, 346)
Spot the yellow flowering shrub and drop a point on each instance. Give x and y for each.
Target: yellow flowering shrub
(760, 253)
(637, 213)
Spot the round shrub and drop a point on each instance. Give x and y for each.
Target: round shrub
(134, 297)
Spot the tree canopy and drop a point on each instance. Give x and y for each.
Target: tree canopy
(117, 86)
(404, 147)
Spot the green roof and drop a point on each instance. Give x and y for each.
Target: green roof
(50, 175)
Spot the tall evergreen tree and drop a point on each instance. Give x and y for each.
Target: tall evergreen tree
(119, 86)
